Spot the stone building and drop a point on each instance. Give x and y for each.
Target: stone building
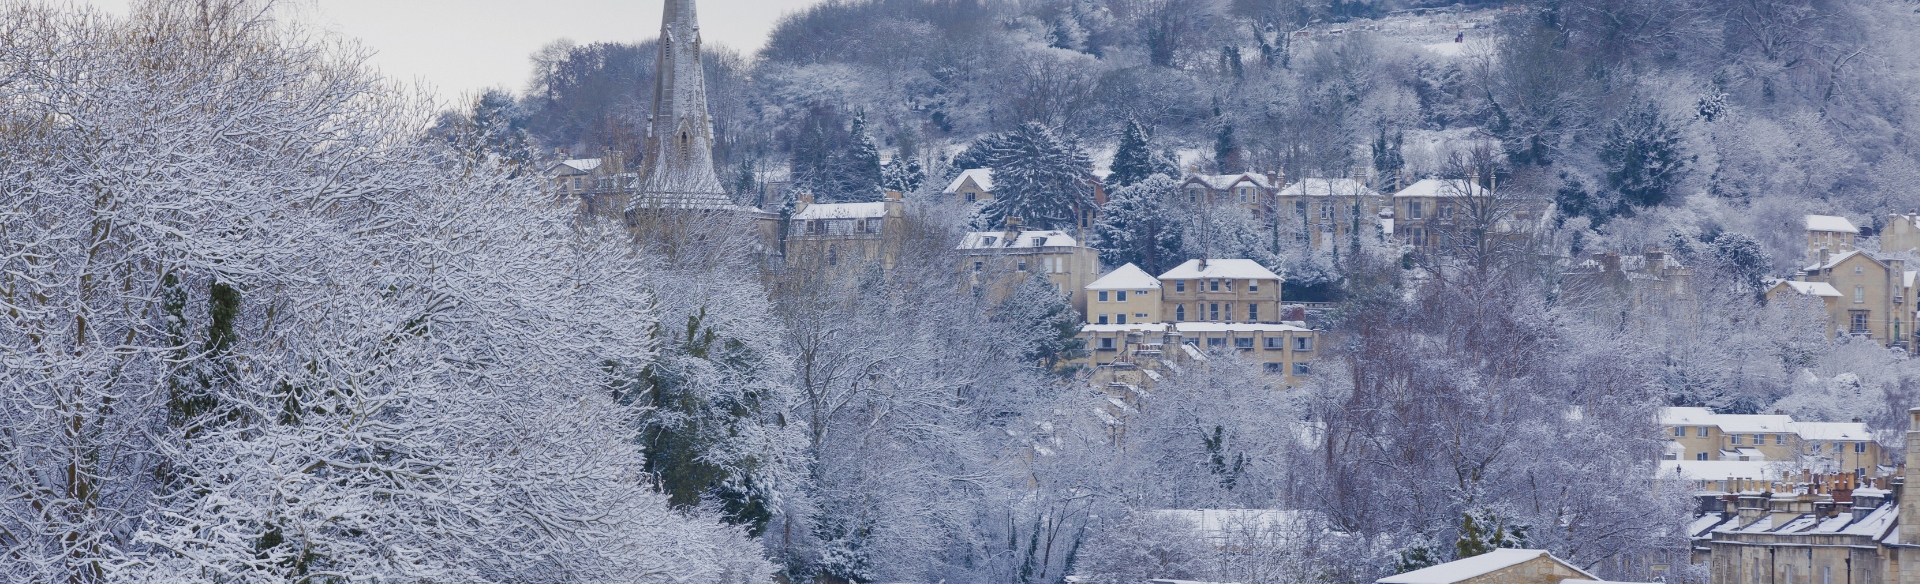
(1439, 212)
(1253, 191)
(1703, 436)
(1814, 528)
(1863, 295)
(1640, 281)
(1324, 212)
(853, 234)
(998, 261)
(1828, 235)
(973, 185)
(1199, 308)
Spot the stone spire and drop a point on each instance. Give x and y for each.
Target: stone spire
(677, 166)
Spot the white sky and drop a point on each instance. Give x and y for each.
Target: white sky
(459, 47)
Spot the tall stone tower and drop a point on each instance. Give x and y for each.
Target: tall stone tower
(677, 167)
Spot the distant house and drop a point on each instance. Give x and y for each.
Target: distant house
(856, 234)
(1253, 191)
(1865, 294)
(1430, 212)
(1324, 211)
(1704, 436)
(1501, 566)
(973, 185)
(1138, 321)
(998, 261)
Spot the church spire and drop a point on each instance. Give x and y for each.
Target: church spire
(677, 165)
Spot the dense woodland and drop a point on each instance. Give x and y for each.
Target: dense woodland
(265, 316)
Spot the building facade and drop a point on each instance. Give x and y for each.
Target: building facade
(1828, 235)
(1863, 295)
(998, 261)
(972, 186)
(1702, 436)
(1325, 212)
(1200, 308)
(852, 234)
(1441, 212)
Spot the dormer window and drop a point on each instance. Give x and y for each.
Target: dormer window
(990, 240)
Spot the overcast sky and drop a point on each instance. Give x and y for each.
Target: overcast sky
(461, 46)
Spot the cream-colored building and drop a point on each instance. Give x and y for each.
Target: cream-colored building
(973, 185)
(1500, 566)
(1704, 436)
(1200, 308)
(1864, 295)
(1828, 235)
(1641, 280)
(1252, 191)
(1430, 212)
(1323, 212)
(834, 235)
(1125, 295)
(998, 261)
(1902, 234)
(602, 185)
(1813, 528)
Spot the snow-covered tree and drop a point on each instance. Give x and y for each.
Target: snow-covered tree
(1139, 226)
(1135, 159)
(1039, 177)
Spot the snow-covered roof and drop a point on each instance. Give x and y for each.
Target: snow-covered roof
(1196, 327)
(1835, 259)
(1321, 187)
(583, 164)
(982, 177)
(998, 240)
(1434, 187)
(1221, 182)
(1720, 470)
(1127, 277)
(1830, 223)
(1479, 565)
(1813, 288)
(843, 211)
(1686, 417)
(1234, 269)
(1838, 431)
(1752, 423)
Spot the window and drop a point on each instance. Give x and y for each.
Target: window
(1680, 431)
(1859, 322)
(1229, 285)
(978, 265)
(1779, 438)
(1213, 285)
(1213, 311)
(1229, 312)
(576, 183)
(1303, 343)
(1859, 270)
(1275, 368)
(1253, 313)
(1302, 369)
(1106, 343)
(1217, 343)
(1700, 456)
(1413, 210)
(1759, 440)
(1734, 437)
(1300, 208)
(1179, 285)
(1275, 343)
(859, 226)
(1859, 294)
(1702, 433)
(873, 226)
(1103, 295)
(1193, 195)
(1120, 296)
(1140, 315)
(1179, 313)
(1103, 319)
(970, 196)
(1022, 265)
(1818, 447)
(1326, 211)
(1253, 285)
(1243, 343)
(1122, 318)
(1860, 447)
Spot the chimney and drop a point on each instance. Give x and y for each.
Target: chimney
(1013, 229)
(895, 195)
(1611, 262)
(802, 201)
(1910, 497)
(1203, 263)
(1751, 506)
(1782, 508)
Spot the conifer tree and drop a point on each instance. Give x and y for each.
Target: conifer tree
(1136, 160)
(1138, 226)
(1044, 180)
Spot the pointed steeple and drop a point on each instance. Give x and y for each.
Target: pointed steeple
(677, 166)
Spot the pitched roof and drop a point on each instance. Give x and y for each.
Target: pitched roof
(1479, 565)
(1752, 423)
(583, 164)
(1434, 187)
(1847, 431)
(842, 211)
(1235, 269)
(1686, 416)
(1127, 277)
(982, 177)
(1321, 187)
(1830, 223)
(1221, 182)
(998, 240)
(1813, 288)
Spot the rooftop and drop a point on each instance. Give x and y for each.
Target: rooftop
(981, 176)
(1434, 187)
(1830, 223)
(1841, 431)
(1465, 568)
(1233, 269)
(1221, 182)
(998, 240)
(1127, 277)
(1321, 187)
(583, 164)
(842, 211)
(1813, 288)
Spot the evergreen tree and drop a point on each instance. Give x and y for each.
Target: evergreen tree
(1135, 160)
(1045, 323)
(903, 174)
(859, 174)
(1140, 226)
(1387, 159)
(1642, 157)
(835, 164)
(1225, 149)
(1044, 180)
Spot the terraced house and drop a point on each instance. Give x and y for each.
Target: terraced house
(1194, 312)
